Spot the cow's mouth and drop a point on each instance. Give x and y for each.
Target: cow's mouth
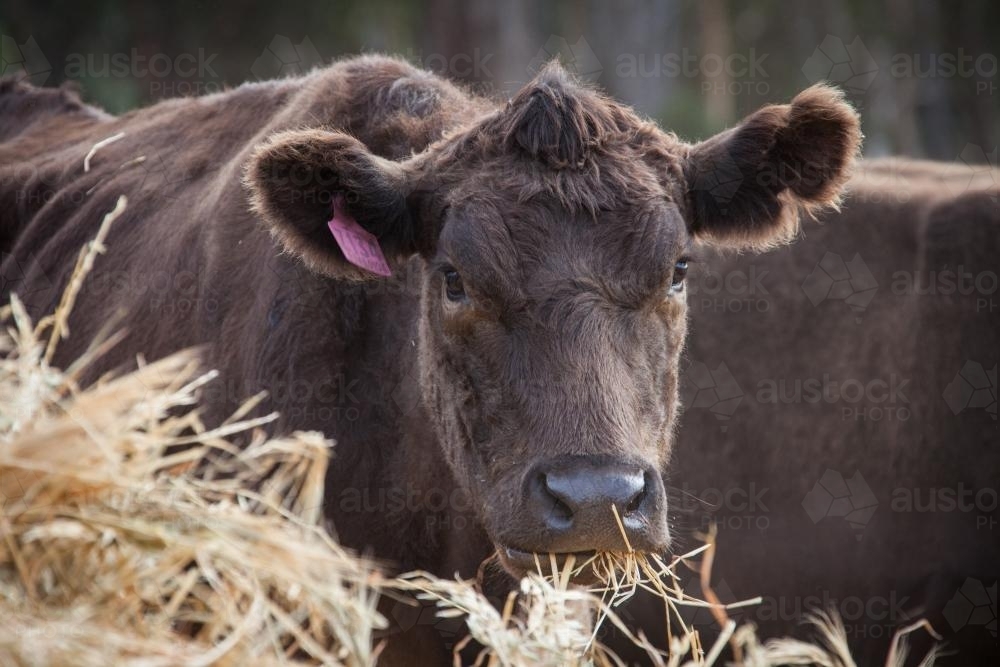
(519, 562)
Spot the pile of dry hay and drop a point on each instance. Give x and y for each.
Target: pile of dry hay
(116, 550)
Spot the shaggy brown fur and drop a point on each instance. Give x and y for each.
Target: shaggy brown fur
(915, 226)
(563, 213)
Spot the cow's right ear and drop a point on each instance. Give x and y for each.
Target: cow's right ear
(293, 179)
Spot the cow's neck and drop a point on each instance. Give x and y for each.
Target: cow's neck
(389, 486)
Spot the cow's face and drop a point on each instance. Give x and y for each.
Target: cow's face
(549, 350)
(555, 235)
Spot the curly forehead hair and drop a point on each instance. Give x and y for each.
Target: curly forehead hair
(561, 139)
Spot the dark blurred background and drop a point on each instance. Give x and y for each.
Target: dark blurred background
(923, 72)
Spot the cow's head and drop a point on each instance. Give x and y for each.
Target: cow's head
(555, 234)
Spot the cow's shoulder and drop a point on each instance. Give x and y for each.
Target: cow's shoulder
(947, 204)
(926, 180)
(964, 230)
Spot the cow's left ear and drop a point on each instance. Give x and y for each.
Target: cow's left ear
(747, 185)
(293, 179)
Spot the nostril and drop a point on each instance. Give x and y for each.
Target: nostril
(636, 502)
(561, 511)
(639, 487)
(559, 508)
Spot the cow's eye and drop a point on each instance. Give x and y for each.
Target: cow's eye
(680, 271)
(453, 285)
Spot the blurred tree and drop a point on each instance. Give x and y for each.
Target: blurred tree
(696, 67)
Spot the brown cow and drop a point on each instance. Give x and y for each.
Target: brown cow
(518, 373)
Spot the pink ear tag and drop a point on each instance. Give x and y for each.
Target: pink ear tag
(359, 246)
